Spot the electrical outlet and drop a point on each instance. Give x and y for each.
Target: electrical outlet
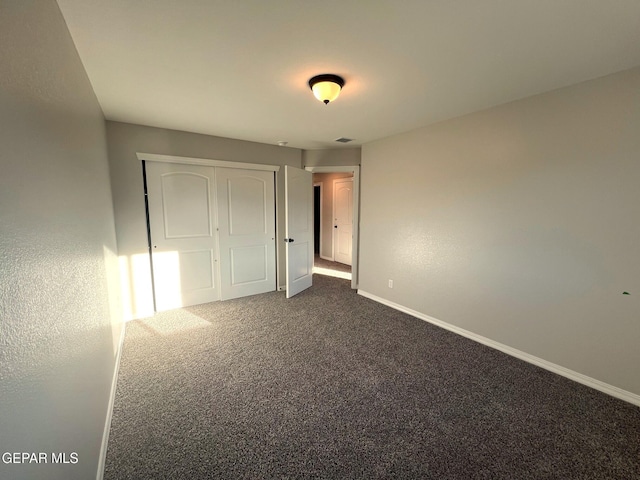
(390, 283)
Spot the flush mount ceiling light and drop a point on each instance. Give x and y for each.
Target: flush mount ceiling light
(326, 87)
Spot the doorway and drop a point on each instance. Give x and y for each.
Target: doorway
(336, 258)
(324, 265)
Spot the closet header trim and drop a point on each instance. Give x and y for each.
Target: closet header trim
(154, 157)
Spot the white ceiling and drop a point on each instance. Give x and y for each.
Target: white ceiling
(239, 68)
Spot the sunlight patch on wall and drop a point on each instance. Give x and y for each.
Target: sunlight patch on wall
(111, 262)
(135, 284)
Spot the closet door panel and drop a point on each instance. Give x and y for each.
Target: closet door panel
(184, 251)
(246, 223)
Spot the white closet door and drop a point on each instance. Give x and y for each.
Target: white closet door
(182, 209)
(246, 221)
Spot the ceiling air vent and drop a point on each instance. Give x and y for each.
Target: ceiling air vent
(344, 140)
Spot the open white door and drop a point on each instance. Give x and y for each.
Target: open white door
(298, 191)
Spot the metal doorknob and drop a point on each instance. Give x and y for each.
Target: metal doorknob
(288, 240)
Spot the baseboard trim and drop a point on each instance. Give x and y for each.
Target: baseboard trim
(107, 425)
(552, 367)
(330, 259)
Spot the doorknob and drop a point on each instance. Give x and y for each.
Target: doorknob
(288, 240)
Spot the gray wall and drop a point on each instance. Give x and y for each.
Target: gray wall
(338, 157)
(520, 224)
(327, 209)
(128, 195)
(59, 326)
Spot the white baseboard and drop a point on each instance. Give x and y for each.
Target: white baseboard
(112, 398)
(552, 367)
(326, 258)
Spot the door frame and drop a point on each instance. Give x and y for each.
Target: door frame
(154, 157)
(355, 169)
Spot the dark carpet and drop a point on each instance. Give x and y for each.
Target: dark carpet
(329, 384)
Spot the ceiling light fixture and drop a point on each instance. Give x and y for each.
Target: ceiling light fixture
(326, 87)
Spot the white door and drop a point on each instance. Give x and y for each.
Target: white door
(246, 222)
(182, 224)
(298, 192)
(343, 220)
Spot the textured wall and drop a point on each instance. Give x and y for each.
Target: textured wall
(128, 195)
(59, 327)
(337, 157)
(519, 223)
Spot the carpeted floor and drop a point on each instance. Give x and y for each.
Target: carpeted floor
(329, 265)
(332, 385)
